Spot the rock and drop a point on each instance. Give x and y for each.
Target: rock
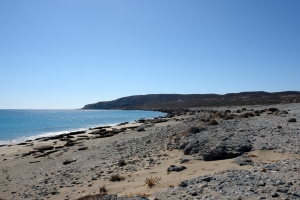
(76, 132)
(212, 123)
(82, 148)
(43, 148)
(282, 190)
(194, 130)
(272, 109)
(280, 112)
(110, 197)
(22, 143)
(141, 128)
(68, 161)
(292, 120)
(274, 195)
(175, 168)
(243, 160)
(185, 159)
(261, 183)
(226, 151)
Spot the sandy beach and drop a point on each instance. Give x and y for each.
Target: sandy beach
(78, 164)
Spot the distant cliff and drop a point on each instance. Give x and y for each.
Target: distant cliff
(167, 101)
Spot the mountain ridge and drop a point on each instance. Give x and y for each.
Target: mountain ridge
(175, 101)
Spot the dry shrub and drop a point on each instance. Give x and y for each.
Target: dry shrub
(121, 163)
(152, 181)
(116, 177)
(103, 190)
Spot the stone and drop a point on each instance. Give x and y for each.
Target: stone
(82, 148)
(292, 120)
(175, 168)
(43, 148)
(212, 123)
(141, 128)
(68, 161)
(243, 160)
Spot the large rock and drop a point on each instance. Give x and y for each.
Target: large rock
(213, 145)
(226, 150)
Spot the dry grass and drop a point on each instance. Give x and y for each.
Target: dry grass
(116, 177)
(152, 181)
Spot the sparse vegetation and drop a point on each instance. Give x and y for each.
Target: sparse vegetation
(148, 141)
(152, 181)
(103, 190)
(121, 163)
(116, 177)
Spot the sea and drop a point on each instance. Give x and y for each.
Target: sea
(17, 125)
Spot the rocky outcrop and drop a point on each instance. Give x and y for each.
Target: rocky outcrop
(213, 146)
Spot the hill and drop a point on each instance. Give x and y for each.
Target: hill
(168, 101)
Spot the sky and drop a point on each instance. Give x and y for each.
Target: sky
(64, 54)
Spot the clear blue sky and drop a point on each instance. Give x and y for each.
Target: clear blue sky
(65, 54)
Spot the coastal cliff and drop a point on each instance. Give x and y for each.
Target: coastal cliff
(167, 101)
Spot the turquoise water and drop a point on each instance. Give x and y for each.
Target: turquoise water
(21, 125)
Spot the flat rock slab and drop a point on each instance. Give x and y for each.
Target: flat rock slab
(43, 148)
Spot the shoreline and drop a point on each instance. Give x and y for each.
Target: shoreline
(77, 165)
(66, 132)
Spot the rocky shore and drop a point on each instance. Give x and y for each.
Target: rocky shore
(238, 152)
